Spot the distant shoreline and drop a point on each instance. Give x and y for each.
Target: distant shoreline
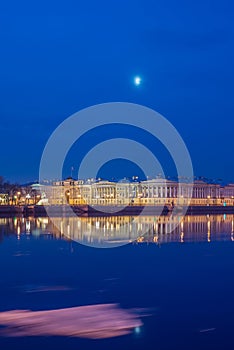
(86, 210)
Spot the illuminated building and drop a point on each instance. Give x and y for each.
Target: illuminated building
(150, 192)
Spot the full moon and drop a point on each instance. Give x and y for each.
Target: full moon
(137, 81)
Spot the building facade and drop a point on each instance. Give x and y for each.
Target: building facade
(149, 192)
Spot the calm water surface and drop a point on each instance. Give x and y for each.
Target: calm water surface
(167, 290)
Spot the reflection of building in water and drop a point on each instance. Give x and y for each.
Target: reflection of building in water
(28, 226)
(193, 229)
(151, 192)
(158, 229)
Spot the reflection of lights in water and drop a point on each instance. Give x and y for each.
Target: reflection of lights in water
(208, 237)
(182, 237)
(68, 230)
(18, 232)
(43, 221)
(192, 228)
(61, 227)
(208, 233)
(36, 232)
(28, 226)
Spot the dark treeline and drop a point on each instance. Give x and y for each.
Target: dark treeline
(7, 187)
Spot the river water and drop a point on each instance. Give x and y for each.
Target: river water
(170, 287)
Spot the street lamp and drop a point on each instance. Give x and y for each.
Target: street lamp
(28, 197)
(18, 197)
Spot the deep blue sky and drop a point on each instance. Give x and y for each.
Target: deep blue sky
(58, 57)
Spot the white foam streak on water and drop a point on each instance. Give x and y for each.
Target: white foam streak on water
(92, 321)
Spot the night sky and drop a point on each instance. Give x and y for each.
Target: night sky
(59, 57)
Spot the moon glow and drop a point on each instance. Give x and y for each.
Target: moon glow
(137, 80)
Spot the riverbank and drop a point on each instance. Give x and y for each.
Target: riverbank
(86, 210)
